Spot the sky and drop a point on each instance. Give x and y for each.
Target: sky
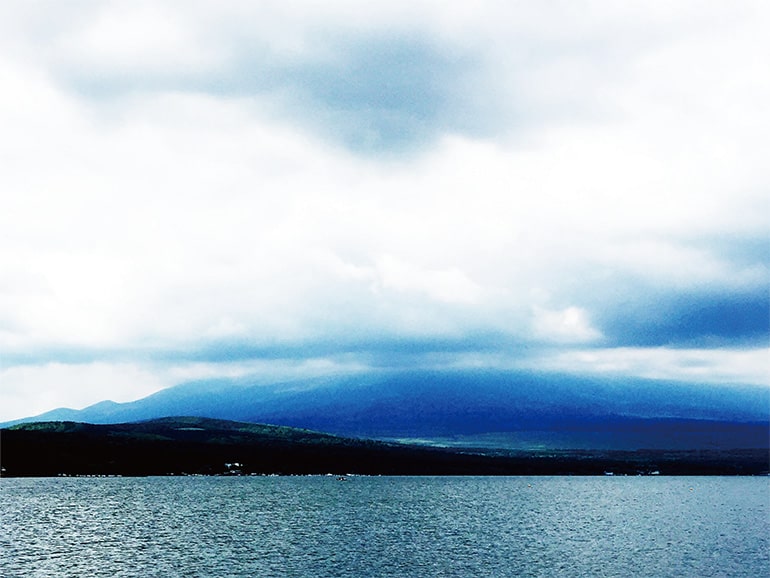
(207, 189)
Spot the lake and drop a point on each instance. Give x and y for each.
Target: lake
(385, 526)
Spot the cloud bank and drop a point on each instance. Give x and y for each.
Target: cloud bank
(569, 186)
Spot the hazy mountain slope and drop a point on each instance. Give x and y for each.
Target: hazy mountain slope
(436, 404)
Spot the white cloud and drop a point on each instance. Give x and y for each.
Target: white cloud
(606, 141)
(447, 286)
(717, 366)
(138, 37)
(32, 389)
(570, 325)
(28, 390)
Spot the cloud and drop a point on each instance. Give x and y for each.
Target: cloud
(36, 388)
(712, 366)
(448, 286)
(33, 389)
(570, 325)
(497, 181)
(699, 317)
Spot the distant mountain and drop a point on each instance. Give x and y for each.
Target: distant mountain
(473, 408)
(199, 446)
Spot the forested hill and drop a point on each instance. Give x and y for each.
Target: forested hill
(185, 445)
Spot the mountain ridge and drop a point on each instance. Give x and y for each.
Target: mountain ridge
(454, 404)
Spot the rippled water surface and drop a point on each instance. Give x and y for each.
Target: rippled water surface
(399, 526)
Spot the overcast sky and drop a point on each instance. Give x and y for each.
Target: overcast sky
(206, 189)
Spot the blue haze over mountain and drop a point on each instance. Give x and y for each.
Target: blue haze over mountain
(486, 408)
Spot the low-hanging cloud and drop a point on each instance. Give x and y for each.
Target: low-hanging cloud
(208, 181)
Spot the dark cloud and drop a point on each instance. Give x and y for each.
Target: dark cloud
(371, 94)
(381, 94)
(690, 319)
(395, 351)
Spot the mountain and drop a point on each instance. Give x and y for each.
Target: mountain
(199, 446)
(473, 408)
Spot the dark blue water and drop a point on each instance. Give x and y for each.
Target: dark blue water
(400, 526)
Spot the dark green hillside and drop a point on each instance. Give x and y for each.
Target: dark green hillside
(184, 445)
(203, 446)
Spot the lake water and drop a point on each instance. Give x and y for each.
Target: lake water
(388, 526)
